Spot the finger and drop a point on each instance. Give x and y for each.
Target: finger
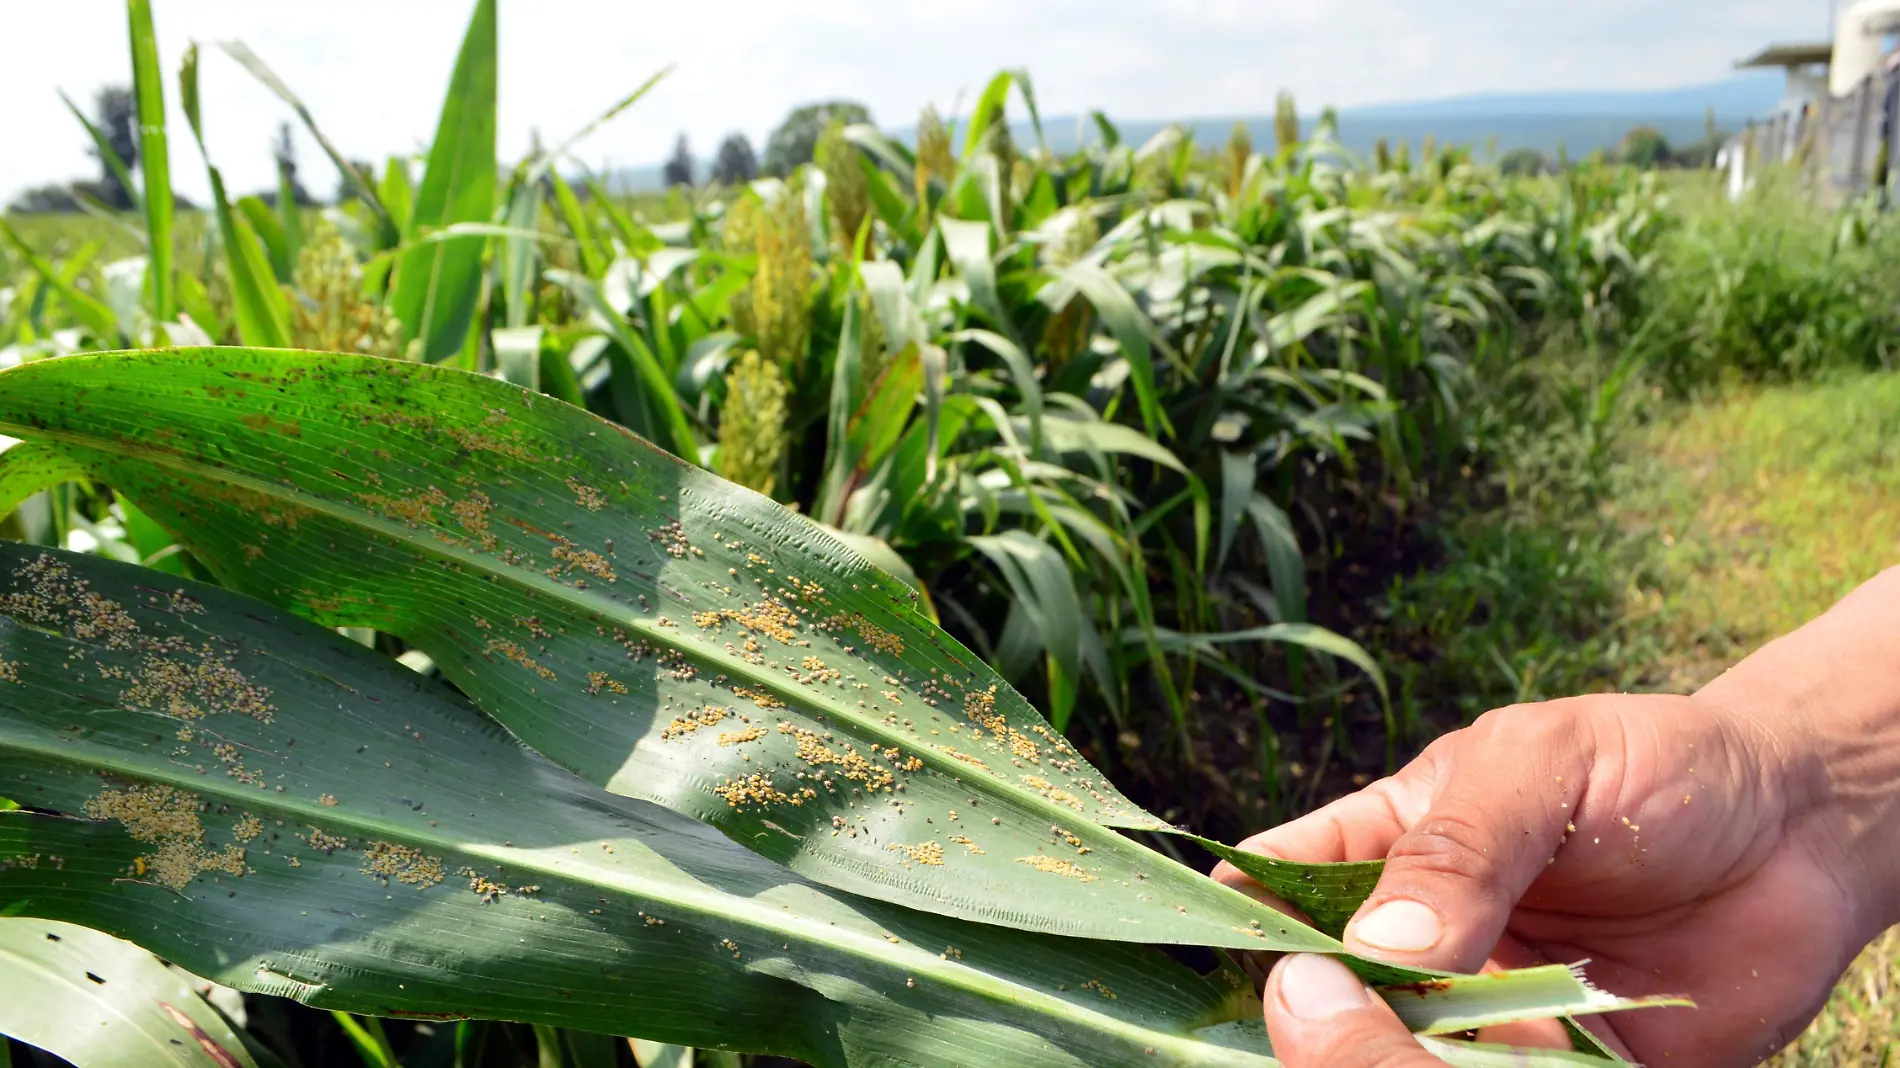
(1359, 826)
(1320, 1015)
(1501, 801)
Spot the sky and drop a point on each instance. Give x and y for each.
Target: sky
(373, 72)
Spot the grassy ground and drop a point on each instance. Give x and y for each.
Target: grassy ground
(1761, 510)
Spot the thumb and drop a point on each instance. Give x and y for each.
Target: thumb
(1319, 1015)
(1498, 812)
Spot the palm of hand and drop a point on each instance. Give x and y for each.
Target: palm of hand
(1653, 844)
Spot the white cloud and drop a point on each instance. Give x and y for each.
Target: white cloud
(374, 72)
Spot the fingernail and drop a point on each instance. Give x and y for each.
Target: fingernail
(1399, 927)
(1313, 987)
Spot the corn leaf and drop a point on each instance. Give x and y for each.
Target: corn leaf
(241, 52)
(576, 561)
(257, 304)
(148, 86)
(437, 286)
(95, 315)
(1505, 997)
(349, 849)
(811, 713)
(97, 1002)
(107, 153)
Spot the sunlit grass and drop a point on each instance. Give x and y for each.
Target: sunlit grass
(1766, 507)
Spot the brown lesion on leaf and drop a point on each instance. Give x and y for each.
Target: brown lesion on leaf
(9, 671)
(875, 636)
(570, 557)
(850, 764)
(405, 864)
(1066, 868)
(519, 655)
(758, 789)
(414, 509)
(758, 697)
(769, 617)
(930, 853)
(167, 819)
(485, 888)
(687, 724)
(263, 423)
(585, 495)
(273, 511)
(1052, 792)
(600, 680)
(954, 753)
(472, 512)
(318, 838)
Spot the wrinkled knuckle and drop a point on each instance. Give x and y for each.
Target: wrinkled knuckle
(1447, 843)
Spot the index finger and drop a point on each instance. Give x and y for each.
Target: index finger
(1361, 826)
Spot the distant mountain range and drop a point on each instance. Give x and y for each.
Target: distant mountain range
(1579, 122)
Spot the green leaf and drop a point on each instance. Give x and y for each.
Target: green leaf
(242, 53)
(262, 317)
(1021, 371)
(106, 152)
(1286, 564)
(437, 286)
(1236, 493)
(539, 555)
(887, 407)
(594, 258)
(28, 467)
(1304, 635)
(731, 621)
(398, 196)
(1131, 330)
(643, 394)
(268, 228)
(519, 255)
(553, 158)
(97, 1002)
(1505, 997)
(989, 110)
(366, 1034)
(92, 313)
(148, 86)
(1329, 894)
(416, 861)
(967, 244)
(289, 219)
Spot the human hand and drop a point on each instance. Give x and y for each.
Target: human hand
(1732, 846)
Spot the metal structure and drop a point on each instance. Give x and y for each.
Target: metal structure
(1836, 120)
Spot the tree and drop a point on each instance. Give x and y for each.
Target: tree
(115, 112)
(735, 162)
(286, 154)
(345, 189)
(1523, 161)
(792, 144)
(679, 168)
(1646, 147)
(44, 200)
